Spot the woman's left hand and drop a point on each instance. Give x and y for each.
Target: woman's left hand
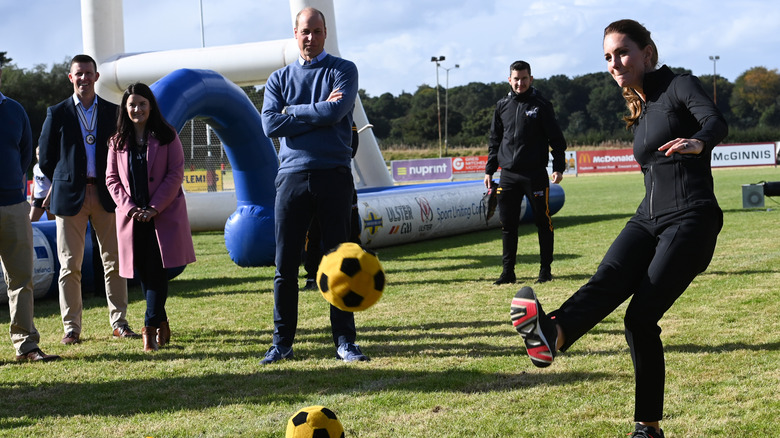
(683, 146)
(144, 215)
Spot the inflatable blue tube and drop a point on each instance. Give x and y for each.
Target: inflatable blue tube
(185, 94)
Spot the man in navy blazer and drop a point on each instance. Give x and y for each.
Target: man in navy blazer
(73, 154)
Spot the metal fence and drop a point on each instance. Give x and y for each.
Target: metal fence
(206, 165)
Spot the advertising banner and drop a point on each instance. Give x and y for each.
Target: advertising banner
(421, 170)
(202, 181)
(749, 154)
(614, 160)
(727, 155)
(391, 216)
(476, 164)
(473, 164)
(398, 216)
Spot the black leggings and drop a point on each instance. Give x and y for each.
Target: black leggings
(149, 269)
(654, 260)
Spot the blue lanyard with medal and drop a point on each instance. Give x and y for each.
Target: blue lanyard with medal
(89, 125)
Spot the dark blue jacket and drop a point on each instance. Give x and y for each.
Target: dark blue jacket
(16, 150)
(63, 157)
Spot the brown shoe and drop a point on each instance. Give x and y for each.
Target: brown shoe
(150, 338)
(71, 338)
(37, 355)
(163, 333)
(124, 331)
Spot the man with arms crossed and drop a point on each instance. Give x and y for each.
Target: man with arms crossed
(308, 104)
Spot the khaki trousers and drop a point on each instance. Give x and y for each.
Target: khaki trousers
(71, 233)
(16, 254)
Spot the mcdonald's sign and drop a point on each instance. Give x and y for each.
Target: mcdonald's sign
(614, 160)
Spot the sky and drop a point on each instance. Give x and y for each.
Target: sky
(392, 41)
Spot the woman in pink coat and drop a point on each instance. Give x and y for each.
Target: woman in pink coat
(144, 176)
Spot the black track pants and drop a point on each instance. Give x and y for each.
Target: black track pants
(654, 260)
(512, 188)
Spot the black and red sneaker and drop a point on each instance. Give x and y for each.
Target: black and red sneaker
(536, 328)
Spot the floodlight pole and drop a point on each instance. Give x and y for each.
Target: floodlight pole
(438, 101)
(714, 60)
(447, 106)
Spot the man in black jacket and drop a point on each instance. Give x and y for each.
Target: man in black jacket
(523, 132)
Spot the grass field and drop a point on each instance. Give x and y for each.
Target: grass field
(445, 359)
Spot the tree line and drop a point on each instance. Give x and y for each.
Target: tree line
(589, 108)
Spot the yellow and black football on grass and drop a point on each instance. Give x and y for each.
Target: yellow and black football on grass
(350, 277)
(314, 422)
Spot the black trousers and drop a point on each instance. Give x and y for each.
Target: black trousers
(652, 261)
(325, 196)
(534, 185)
(149, 269)
(313, 250)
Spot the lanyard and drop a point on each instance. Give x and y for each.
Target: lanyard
(88, 124)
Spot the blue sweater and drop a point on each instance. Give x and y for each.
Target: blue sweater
(16, 150)
(315, 134)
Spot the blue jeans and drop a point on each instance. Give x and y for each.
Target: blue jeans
(325, 196)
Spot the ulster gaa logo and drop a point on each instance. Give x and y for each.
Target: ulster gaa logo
(426, 212)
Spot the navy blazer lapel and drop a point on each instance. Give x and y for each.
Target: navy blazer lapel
(72, 122)
(70, 108)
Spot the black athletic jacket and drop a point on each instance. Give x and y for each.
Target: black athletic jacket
(676, 107)
(522, 132)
